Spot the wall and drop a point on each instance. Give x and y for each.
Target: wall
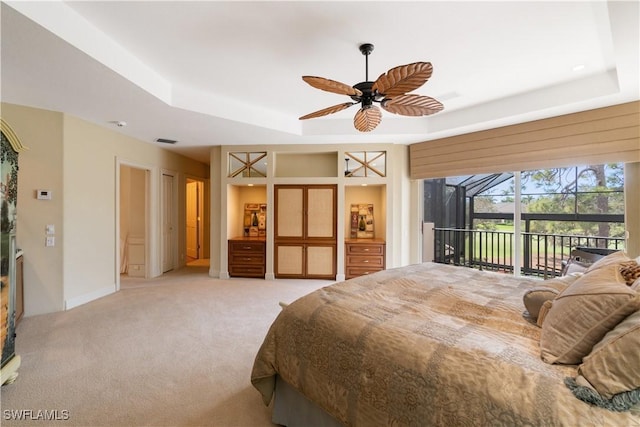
(90, 154)
(77, 160)
(40, 168)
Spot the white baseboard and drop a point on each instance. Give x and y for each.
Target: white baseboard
(217, 274)
(83, 299)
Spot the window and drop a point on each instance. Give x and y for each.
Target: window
(248, 165)
(561, 209)
(365, 164)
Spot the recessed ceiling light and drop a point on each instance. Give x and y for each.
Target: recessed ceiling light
(579, 67)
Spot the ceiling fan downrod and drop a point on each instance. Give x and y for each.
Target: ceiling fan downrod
(366, 49)
(368, 97)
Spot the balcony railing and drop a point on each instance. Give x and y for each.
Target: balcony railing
(542, 254)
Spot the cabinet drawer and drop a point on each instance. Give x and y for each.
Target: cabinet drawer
(245, 247)
(365, 261)
(359, 249)
(246, 271)
(247, 258)
(360, 271)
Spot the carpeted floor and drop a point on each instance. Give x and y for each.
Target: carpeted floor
(171, 351)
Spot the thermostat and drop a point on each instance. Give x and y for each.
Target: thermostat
(43, 194)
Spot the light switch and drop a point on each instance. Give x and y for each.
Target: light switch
(51, 241)
(50, 229)
(43, 194)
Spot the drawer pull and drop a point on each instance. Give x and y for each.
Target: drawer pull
(248, 248)
(366, 249)
(366, 260)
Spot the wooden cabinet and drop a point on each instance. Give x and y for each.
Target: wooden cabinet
(305, 229)
(363, 256)
(247, 257)
(9, 262)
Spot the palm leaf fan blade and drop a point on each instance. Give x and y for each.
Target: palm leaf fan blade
(412, 105)
(367, 119)
(331, 86)
(328, 110)
(403, 79)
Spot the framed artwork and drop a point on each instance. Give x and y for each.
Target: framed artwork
(362, 221)
(255, 219)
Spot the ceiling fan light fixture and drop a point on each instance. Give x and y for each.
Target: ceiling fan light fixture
(389, 90)
(367, 118)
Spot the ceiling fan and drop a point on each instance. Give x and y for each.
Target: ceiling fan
(389, 90)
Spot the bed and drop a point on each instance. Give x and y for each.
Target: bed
(425, 345)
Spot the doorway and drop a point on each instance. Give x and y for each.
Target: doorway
(168, 216)
(133, 220)
(194, 214)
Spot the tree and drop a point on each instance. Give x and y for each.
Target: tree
(585, 189)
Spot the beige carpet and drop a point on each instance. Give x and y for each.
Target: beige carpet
(172, 351)
(201, 262)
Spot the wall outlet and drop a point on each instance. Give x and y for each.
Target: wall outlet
(50, 241)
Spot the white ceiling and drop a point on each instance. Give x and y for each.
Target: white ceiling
(219, 73)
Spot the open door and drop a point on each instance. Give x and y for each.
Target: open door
(194, 236)
(168, 226)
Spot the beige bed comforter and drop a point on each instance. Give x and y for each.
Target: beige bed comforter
(423, 345)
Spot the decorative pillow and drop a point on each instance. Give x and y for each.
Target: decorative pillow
(583, 313)
(630, 271)
(615, 258)
(544, 310)
(613, 366)
(575, 266)
(549, 289)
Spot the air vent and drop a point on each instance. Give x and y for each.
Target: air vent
(166, 141)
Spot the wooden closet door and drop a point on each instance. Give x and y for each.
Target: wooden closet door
(320, 251)
(305, 231)
(320, 261)
(289, 212)
(321, 212)
(290, 260)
